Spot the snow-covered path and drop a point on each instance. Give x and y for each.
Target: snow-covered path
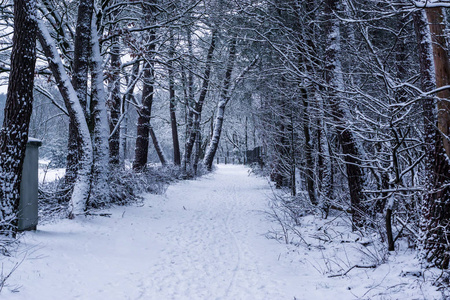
(201, 240)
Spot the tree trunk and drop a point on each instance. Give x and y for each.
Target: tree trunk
(198, 145)
(81, 189)
(100, 167)
(435, 207)
(158, 148)
(333, 77)
(309, 168)
(224, 98)
(18, 107)
(197, 111)
(127, 99)
(143, 125)
(82, 53)
(173, 105)
(114, 103)
(80, 70)
(188, 86)
(436, 21)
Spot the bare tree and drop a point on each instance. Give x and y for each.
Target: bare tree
(195, 112)
(81, 189)
(14, 133)
(143, 127)
(224, 99)
(173, 102)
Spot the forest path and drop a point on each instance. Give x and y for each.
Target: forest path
(202, 239)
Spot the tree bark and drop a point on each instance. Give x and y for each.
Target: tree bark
(309, 170)
(436, 21)
(435, 206)
(173, 104)
(333, 77)
(81, 189)
(18, 107)
(143, 125)
(157, 146)
(80, 70)
(100, 133)
(224, 98)
(195, 128)
(188, 87)
(114, 103)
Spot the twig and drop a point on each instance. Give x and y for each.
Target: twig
(405, 225)
(3, 278)
(355, 266)
(107, 215)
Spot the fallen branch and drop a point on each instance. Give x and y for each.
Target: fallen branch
(3, 277)
(107, 215)
(347, 210)
(355, 266)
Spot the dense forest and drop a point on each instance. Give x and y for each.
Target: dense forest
(345, 101)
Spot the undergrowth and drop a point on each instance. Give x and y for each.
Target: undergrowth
(125, 187)
(335, 250)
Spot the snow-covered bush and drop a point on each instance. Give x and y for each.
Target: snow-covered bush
(125, 185)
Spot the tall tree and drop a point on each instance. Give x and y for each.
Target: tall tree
(115, 99)
(82, 184)
(432, 48)
(143, 126)
(224, 99)
(195, 112)
(99, 123)
(334, 80)
(14, 133)
(173, 102)
(80, 70)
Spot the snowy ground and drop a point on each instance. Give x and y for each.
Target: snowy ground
(203, 239)
(48, 175)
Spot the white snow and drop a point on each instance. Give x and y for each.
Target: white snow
(203, 239)
(50, 175)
